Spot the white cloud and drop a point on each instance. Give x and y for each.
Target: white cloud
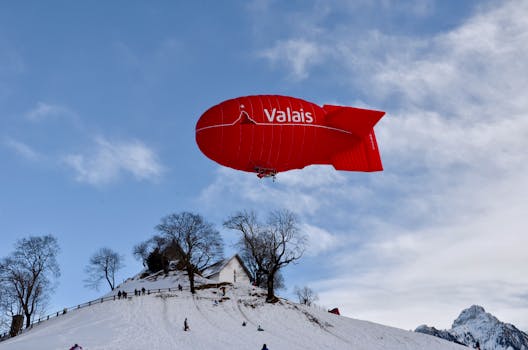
(45, 111)
(304, 192)
(245, 190)
(476, 63)
(319, 239)
(110, 160)
(444, 226)
(312, 176)
(297, 54)
(408, 276)
(22, 149)
(457, 144)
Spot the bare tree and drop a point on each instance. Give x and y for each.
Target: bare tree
(103, 265)
(251, 244)
(257, 276)
(196, 243)
(8, 306)
(11, 317)
(271, 246)
(142, 251)
(26, 275)
(305, 295)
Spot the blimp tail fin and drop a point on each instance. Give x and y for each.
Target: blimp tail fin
(355, 120)
(363, 157)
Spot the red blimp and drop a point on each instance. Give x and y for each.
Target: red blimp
(268, 134)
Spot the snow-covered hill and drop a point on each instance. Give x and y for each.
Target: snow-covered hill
(475, 324)
(156, 321)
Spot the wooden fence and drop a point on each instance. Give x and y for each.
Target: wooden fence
(64, 311)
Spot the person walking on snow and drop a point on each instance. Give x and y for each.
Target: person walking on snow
(185, 325)
(264, 347)
(76, 347)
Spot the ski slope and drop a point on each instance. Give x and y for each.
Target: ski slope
(156, 321)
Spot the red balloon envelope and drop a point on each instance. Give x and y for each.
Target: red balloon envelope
(267, 134)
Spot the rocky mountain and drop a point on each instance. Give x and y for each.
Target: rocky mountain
(476, 325)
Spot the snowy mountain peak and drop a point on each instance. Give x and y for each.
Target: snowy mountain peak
(474, 325)
(475, 315)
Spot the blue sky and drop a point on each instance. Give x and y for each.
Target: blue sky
(99, 100)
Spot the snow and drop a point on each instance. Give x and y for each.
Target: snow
(475, 324)
(157, 281)
(155, 321)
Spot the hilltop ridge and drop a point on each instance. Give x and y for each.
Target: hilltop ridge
(216, 321)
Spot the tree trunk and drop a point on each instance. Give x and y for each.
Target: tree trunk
(16, 325)
(258, 279)
(109, 281)
(271, 289)
(28, 319)
(190, 273)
